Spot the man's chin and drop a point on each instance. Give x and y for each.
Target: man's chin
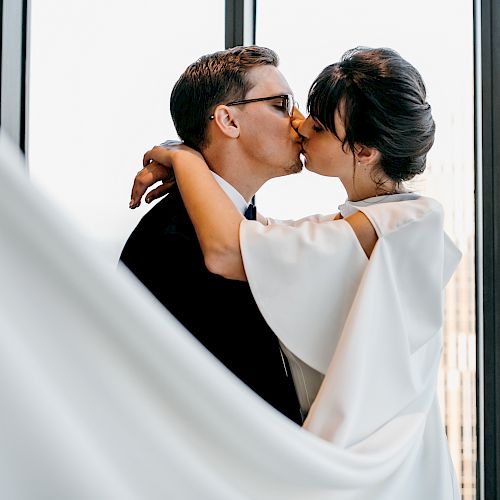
(294, 168)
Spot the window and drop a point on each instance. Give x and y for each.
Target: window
(100, 80)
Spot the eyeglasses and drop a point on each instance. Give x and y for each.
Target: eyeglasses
(287, 102)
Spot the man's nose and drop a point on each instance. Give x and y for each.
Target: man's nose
(296, 120)
(297, 115)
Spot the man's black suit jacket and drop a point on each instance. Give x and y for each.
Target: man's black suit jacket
(164, 253)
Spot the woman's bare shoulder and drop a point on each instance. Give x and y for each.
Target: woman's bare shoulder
(364, 231)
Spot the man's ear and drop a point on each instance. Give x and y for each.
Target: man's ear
(226, 121)
(366, 156)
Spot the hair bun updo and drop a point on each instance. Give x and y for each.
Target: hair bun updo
(382, 100)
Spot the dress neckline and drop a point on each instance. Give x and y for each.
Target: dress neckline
(351, 207)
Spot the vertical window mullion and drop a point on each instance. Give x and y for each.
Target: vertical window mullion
(13, 74)
(488, 245)
(240, 22)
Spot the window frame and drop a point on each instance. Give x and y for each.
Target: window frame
(240, 22)
(487, 124)
(14, 42)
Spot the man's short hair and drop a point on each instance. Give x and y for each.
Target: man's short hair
(213, 79)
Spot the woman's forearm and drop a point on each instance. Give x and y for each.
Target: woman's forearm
(215, 218)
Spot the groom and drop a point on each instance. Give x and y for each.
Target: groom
(245, 142)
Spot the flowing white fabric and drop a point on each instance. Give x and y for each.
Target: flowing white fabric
(105, 396)
(373, 327)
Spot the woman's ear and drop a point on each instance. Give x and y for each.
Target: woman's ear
(367, 157)
(224, 118)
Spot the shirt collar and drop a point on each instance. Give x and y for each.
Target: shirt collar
(231, 191)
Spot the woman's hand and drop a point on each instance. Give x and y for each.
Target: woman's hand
(157, 167)
(145, 178)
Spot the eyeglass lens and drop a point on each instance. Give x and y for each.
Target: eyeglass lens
(290, 104)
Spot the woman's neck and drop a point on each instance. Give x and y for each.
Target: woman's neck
(362, 189)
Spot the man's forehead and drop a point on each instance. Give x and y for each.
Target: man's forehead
(267, 80)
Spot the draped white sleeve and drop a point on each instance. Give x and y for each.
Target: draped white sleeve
(105, 396)
(304, 276)
(375, 325)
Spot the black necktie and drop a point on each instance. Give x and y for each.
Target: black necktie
(251, 211)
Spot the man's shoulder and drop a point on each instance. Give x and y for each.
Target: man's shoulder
(169, 206)
(168, 210)
(165, 224)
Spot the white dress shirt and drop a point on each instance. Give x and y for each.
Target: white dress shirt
(232, 192)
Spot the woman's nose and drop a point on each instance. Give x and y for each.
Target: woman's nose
(302, 128)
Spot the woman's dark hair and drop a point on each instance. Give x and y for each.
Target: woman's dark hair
(381, 100)
(211, 80)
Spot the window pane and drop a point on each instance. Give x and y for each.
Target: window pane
(100, 77)
(311, 35)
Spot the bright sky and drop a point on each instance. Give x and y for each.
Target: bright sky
(101, 73)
